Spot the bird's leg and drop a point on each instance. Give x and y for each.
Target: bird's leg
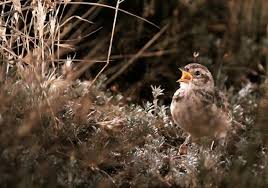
(184, 146)
(188, 140)
(219, 142)
(212, 145)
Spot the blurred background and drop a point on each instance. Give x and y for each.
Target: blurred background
(229, 36)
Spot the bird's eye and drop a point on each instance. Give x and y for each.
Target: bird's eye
(186, 69)
(197, 73)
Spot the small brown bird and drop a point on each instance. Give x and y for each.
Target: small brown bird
(198, 107)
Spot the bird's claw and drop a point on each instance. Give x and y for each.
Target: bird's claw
(183, 150)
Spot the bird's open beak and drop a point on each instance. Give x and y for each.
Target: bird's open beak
(185, 77)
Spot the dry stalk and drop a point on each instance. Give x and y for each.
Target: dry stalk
(108, 6)
(140, 52)
(111, 43)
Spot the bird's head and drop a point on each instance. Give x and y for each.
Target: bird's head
(196, 76)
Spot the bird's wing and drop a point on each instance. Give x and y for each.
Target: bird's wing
(222, 101)
(214, 97)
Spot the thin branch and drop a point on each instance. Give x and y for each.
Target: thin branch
(111, 7)
(75, 16)
(140, 52)
(111, 43)
(6, 2)
(158, 53)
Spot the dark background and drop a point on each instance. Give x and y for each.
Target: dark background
(230, 37)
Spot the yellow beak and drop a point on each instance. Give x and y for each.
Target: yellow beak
(185, 77)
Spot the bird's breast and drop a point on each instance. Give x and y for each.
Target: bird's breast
(181, 102)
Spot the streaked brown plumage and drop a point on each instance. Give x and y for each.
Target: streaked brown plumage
(198, 107)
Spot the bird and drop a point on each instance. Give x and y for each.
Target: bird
(198, 107)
